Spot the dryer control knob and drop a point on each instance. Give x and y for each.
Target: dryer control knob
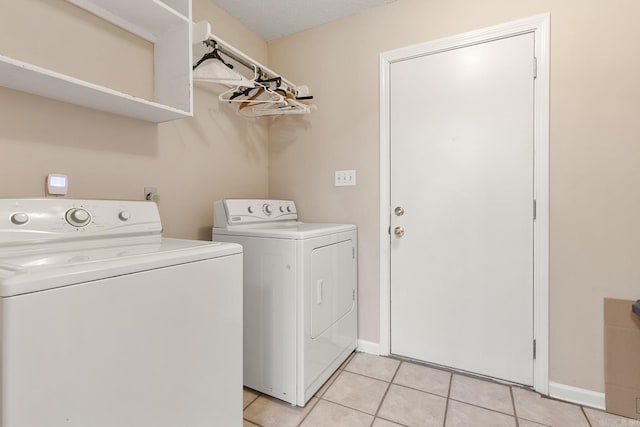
(282, 209)
(78, 217)
(289, 209)
(267, 208)
(124, 216)
(19, 218)
(250, 209)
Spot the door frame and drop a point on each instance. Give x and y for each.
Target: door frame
(540, 26)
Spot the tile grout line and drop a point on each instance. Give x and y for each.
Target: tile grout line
(431, 393)
(384, 396)
(536, 422)
(281, 402)
(398, 384)
(320, 398)
(475, 405)
(310, 410)
(251, 422)
(446, 405)
(356, 410)
(366, 376)
(480, 407)
(393, 422)
(249, 404)
(328, 383)
(585, 416)
(459, 372)
(542, 396)
(513, 402)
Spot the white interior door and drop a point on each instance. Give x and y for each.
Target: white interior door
(462, 162)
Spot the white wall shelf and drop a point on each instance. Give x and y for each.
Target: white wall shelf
(148, 19)
(40, 81)
(167, 24)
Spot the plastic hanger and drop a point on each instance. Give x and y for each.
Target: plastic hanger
(215, 71)
(213, 54)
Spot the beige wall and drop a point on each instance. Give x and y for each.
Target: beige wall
(595, 134)
(595, 149)
(192, 161)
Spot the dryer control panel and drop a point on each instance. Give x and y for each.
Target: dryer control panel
(245, 211)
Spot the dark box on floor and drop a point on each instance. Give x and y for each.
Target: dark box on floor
(621, 358)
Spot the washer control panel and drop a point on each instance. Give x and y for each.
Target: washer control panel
(24, 220)
(244, 211)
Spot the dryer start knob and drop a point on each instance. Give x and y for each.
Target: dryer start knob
(267, 208)
(78, 217)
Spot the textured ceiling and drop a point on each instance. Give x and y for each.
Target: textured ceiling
(272, 19)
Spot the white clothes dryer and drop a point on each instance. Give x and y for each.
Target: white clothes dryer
(300, 295)
(106, 323)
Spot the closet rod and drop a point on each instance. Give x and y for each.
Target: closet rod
(263, 72)
(212, 43)
(202, 33)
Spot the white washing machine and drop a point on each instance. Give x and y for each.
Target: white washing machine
(105, 323)
(300, 295)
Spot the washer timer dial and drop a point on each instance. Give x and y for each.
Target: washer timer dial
(78, 217)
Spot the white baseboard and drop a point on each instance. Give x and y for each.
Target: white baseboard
(581, 396)
(368, 347)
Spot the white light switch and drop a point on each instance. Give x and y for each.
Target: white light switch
(344, 178)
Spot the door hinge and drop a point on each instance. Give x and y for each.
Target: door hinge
(535, 209)
(353, 253)
(389, 230)
(534, 349)
(354, 294)
(535, 67)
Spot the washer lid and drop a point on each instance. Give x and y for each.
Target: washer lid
(70, 264)
(284, 230)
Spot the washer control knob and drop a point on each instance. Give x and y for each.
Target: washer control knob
(282, 209)
(19, 218)
(267, 208)
(289, 209)
(78, 217)
(250, 209)
(124, 216)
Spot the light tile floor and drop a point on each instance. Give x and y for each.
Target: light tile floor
(374, 391)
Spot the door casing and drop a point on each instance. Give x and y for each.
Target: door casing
(540, 26)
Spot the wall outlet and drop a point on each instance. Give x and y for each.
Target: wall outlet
(151, 194)
(344, 178)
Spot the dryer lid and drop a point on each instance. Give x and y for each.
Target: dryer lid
(285, 230)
